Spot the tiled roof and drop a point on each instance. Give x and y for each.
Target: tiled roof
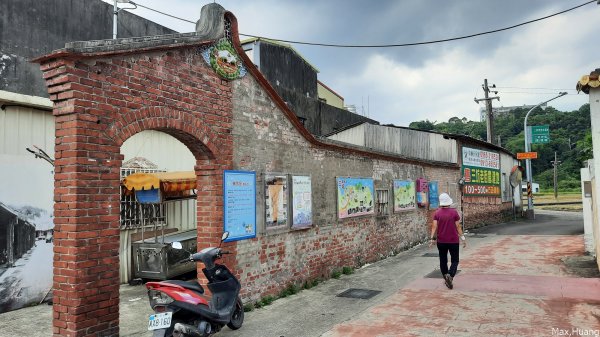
(589, 81)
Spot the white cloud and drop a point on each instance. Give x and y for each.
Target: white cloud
(552, 54)
(434, 82)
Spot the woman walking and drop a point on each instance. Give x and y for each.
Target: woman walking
(446, 227)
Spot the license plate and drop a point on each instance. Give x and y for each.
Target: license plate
(160, 321)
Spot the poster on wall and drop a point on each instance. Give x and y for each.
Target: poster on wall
(481, 172)
(404, 195)
(354, 197)
(26, 231)
(301, 202)
(434, 196)
(276, 200)
(239, 204)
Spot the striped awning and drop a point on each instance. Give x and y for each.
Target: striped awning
(165, 181)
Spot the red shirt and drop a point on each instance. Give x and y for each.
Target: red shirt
(446, 225)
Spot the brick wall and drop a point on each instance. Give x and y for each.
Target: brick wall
(265, 141)
(99, 103)
(481, 211)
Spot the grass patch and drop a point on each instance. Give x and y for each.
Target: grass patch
(265, 301)
(292, 289)
(347, 270)
(336, 274)
(311, 284)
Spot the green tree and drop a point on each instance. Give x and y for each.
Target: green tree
(570, 138)
(423, 125)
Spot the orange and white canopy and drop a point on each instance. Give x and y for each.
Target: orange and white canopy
(165, 181)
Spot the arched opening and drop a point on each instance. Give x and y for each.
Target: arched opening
(149, 152)
(146, 230)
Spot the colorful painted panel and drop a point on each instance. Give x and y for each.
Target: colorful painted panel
(481, 172)
(404, 195)
(301, 201)
(355, 197)
(276, 200)
(239, 204)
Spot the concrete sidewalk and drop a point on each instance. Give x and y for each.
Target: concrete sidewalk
(509, 285)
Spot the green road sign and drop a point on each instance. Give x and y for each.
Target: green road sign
(540, 134)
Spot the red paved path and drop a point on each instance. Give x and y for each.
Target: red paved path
(508, 286)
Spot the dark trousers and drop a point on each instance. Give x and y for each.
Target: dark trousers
(443, 249)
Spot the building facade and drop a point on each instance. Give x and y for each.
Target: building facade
(202, 89)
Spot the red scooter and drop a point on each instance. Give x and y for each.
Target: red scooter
(181, 308)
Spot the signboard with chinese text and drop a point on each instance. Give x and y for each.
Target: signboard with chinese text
(239, 204)
(527, 155)
(481, 172)
(540, 134)
(301, 202)
(276, 200)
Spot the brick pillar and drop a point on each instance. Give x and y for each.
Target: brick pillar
(86, 211)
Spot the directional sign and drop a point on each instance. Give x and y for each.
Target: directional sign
(540, 134)
(526, 155)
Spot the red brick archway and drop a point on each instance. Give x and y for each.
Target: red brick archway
(100, 101)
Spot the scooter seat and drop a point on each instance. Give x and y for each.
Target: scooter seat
(192, 285)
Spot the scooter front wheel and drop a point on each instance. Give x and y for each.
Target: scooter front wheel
(237, 318)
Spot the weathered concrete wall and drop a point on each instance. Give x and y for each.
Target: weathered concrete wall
(265, 141)
(31, 28)
(284, 68)
(320, 118)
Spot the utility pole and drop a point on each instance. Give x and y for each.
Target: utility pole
(555, 163)
(530, 212)
(488, 105)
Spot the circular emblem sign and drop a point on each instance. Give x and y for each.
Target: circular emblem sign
(224, 60)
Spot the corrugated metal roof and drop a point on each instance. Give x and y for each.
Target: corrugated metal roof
(464, 138)
(589, 81)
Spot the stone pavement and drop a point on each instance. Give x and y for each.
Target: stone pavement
(509, 285)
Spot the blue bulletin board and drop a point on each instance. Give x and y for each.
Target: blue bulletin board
(239, 204)
(434, 197)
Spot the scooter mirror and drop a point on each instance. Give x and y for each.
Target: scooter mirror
(225, 236)
(176, 245)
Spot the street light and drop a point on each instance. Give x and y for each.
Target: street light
(530, 212)
(116, 10)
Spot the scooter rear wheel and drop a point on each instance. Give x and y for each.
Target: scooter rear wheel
(237, 318)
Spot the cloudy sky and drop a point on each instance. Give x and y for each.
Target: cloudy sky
(528, 64)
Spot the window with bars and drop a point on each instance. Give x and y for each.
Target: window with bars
(133, 215)
(382, 202)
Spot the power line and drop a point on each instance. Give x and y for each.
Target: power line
(163, 13)
(536, 88)
(390, 45)
(527, 93)
(426, 42)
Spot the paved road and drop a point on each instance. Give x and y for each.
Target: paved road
(545, 223)
(512, 283)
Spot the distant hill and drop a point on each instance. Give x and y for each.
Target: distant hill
(570, 137)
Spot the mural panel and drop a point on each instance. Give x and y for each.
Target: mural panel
(355, 197)
(26, 231)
